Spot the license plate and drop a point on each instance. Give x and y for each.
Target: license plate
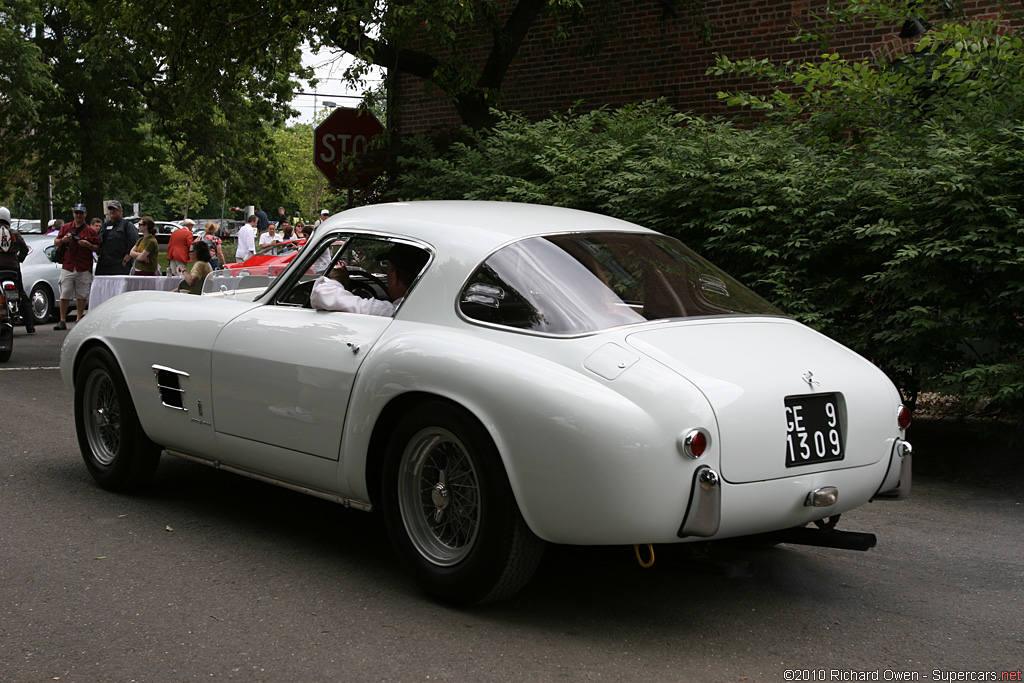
(813, 432)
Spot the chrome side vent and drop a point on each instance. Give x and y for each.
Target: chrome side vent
(168, 384)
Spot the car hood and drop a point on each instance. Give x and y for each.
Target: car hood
(747, 367)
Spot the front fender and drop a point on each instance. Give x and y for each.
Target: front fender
(147, 328)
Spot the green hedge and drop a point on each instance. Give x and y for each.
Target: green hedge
(909, 249)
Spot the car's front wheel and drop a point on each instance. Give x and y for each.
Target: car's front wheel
(117, 452)
(450, 512)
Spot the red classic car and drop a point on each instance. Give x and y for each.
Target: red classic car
(270, 260)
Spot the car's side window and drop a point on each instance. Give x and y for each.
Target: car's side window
(316, 264)
(366, 271)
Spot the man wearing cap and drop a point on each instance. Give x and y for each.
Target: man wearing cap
(13, 251)
(324, 215)
(54, 226)
(177, 248)
(404, 263)
(79, 241)
(117, 237)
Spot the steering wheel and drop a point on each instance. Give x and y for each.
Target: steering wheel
(300, 295)
(366, 289)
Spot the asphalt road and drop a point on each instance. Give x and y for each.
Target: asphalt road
(210, 576)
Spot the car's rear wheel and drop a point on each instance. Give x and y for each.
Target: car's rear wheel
(450, 512)
(41, 300)
(117, 452)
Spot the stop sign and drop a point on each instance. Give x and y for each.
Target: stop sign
(343, 135)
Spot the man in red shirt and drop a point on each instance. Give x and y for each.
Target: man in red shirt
(79, 241)
(177, 248)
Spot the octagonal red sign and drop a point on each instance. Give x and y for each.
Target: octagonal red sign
(343, 135)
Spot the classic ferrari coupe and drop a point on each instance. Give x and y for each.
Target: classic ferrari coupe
(547, 376)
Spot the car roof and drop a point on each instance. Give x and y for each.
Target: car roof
(462, 234)
(469, 229)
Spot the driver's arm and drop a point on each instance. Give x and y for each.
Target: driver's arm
(330, 295)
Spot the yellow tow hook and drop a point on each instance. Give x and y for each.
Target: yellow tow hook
(650, 549)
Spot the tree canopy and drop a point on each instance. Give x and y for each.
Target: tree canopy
(114, 99)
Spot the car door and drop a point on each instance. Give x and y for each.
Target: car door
(282, 376)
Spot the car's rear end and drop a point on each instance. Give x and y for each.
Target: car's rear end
(804, 428)
(712, 414)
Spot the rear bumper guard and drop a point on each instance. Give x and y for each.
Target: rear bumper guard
(704, 510)
(898, 479)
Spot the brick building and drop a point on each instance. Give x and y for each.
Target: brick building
(656, 52)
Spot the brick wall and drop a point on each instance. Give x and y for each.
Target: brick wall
(651, 55)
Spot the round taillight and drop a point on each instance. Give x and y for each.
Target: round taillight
(903, 417)
(695, 443)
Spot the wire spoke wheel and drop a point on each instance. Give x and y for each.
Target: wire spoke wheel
(116, 450)
(439, 496)
(103, 417)
(450, 512)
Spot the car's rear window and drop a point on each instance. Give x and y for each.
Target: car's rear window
(586, 282)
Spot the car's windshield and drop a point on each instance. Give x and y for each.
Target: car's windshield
(279, 249)
(585, 282)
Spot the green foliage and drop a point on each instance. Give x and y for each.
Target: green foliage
(909, 251)
(305, 188)
(881, 204)
(24, 81)
(125, 100)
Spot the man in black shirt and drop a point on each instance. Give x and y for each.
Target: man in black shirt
(117, 237)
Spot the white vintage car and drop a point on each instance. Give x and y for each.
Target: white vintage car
(550, 376)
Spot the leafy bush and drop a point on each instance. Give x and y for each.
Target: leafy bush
(901, 236)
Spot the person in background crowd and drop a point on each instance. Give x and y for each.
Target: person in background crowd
(96, 223)
(211, 239)
(192, 282)
(13, 251)
(324, 215)
(270, 236)
(177, 248)
(79, 241)
(300, 230)
(54, 226)
(261, 220)
(246, 240)
(282, 216)
(146, 252)
(287, 233)
(117, 237)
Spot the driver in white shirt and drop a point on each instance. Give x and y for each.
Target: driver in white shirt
(404, 264)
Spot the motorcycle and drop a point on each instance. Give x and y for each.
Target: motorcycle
(8, 313)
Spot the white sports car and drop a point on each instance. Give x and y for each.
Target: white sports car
(550, 376)
(41, 277)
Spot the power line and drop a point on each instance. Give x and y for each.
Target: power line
(321, 94)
